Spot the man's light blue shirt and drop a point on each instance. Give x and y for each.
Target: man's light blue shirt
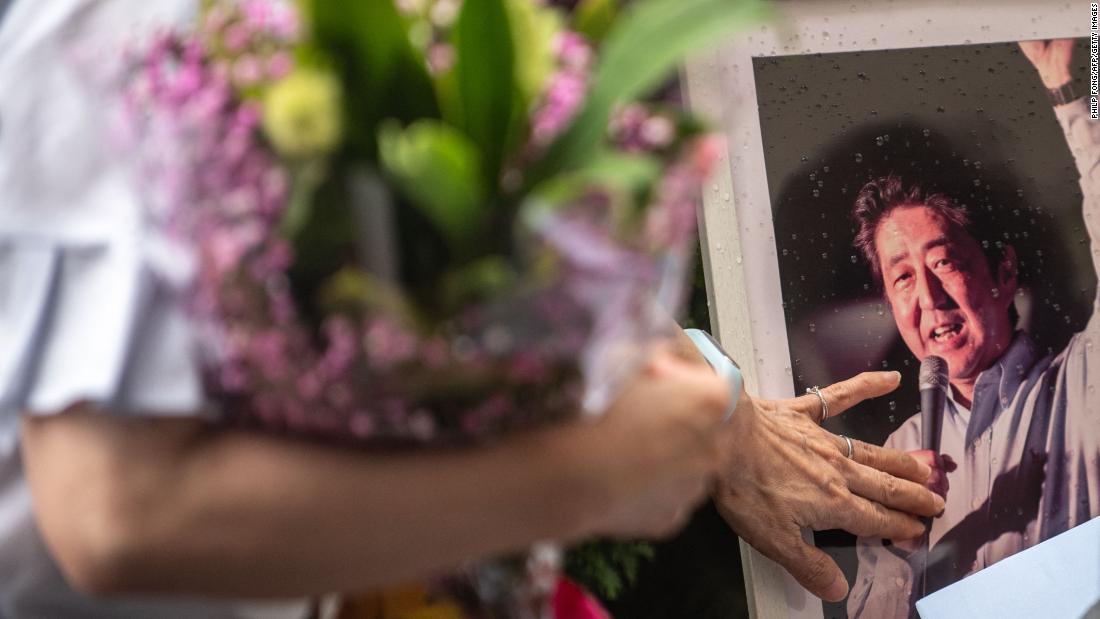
(1028, 451)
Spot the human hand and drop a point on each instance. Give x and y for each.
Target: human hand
(1051, 59)
(657, 448)
(787, 472)
(940, 464)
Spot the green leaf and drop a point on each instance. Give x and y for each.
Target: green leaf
(383, 75)
(623, 171)
(607, 567)
(475, 281)
(630, 174)
(438, 169)
(486, 79)
(534, 28)
(305, 179)
(355, 292)
(594, 18)
(646, 44)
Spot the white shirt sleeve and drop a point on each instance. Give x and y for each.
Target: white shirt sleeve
(90, 294)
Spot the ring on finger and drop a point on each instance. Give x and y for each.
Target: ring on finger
(851, 447)
(824, 403)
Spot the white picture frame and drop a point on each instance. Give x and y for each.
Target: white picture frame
(738, 244)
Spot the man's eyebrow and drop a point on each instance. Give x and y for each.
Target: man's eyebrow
(939, 241)
(896, 258)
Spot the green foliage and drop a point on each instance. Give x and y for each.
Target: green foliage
(533, 30)
(305, 179)
(643, 47)
(383, 75)
(486, 86)
(626, 180)
(354, 292)
(442, 140)
(438, 169)
(607, 567)
(477, 281)
(593, 18)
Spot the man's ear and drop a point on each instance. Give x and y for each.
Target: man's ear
(1007, 271)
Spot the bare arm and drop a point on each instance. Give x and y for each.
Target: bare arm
(178, 507)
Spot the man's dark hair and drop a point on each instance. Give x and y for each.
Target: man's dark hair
(880, 197)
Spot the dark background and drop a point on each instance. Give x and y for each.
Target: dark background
(973, 121)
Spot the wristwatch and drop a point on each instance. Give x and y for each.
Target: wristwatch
(721, 362)
(1064, 94)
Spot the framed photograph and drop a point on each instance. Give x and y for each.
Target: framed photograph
(898, 184)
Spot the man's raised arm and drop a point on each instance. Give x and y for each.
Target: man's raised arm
(1051, 60)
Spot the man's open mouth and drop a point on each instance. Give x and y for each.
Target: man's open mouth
(946, 332)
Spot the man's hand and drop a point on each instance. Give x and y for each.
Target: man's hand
(941, 465)
(786, 473)
(1051, 59)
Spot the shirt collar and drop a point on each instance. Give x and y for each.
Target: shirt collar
(998, 384)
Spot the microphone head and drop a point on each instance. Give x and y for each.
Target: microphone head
(933, 373)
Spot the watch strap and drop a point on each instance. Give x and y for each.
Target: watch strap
(1066, 93)
(721, 362)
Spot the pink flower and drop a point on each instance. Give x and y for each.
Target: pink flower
(441, 57)
(237, 38)
(279, 65)
(362, 424)
(225, 249)
(573, 50)
(256, 13)
(565, 91)
(285, 23)
(561, 102)
(528, 367)
(387, 344)
(309, 386)
(248, 70)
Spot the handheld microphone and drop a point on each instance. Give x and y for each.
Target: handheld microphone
(933, 399)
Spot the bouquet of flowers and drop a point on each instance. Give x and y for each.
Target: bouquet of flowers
(424, 222)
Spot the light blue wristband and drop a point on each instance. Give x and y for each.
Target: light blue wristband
(721, 362)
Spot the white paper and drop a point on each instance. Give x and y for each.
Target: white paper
(1058, 578)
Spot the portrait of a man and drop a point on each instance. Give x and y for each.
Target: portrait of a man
(952, 254)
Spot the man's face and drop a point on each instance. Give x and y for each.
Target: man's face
(944, 299)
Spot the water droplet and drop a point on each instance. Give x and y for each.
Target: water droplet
(893, 405)
(813, 327)
(859, 157)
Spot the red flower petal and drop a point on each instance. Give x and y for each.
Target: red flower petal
(572, 602)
